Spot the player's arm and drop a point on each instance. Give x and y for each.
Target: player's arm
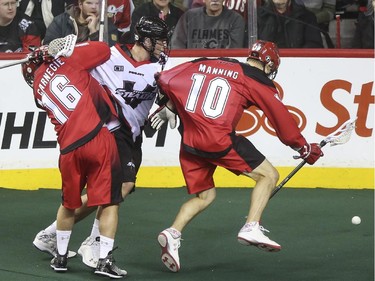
(91, 54)
(285, 126)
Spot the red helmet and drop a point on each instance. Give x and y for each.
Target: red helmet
(266, 52)
(28, 72)
(36, 59)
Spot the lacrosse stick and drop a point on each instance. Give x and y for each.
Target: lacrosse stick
(57, 48)
(340, 136)
(15, 62)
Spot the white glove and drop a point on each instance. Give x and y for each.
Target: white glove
(161, 115)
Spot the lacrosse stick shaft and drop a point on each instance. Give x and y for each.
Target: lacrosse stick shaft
(292, 173)
(344, 131)
(14, 63)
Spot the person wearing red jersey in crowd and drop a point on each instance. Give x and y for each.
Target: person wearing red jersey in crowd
(17, 31)
(120, 12)
(64, 88)
(209, 109)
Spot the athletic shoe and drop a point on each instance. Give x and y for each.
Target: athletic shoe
(107, 267)
(89, 251)
(46, 242)
(59, 262)
(252, 235)
(169, 250)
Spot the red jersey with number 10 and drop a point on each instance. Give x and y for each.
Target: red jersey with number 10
(76, 103)
(210, 96)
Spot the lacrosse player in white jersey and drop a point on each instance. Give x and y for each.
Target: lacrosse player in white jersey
(129, 76)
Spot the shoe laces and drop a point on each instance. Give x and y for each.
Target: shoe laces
(249, 227)
(177, 243)
(261, 228)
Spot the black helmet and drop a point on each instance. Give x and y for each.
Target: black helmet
(154, 29)
(151, 27)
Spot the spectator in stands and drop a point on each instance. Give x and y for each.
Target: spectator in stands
(182, 4)
(213, 26)
(83, 21)
(240, 6)
(43, 11)
(364, 32)
(120, 11)
(289, 25)
(17, 31)
(156, 8)
(324, 10)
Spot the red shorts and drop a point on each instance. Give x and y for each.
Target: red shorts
(95, 164)
(198, 171)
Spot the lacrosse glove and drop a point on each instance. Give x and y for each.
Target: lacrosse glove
(161, 115)
(310, 152)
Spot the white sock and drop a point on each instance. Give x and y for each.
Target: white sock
(95, 229)
(62, 240)
(51, 228)
(106, 245)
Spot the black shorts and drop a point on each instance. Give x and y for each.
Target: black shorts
(130, 153)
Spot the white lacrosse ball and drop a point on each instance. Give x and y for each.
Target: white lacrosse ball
(356, 220)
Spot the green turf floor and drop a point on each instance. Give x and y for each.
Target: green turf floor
(312, 225)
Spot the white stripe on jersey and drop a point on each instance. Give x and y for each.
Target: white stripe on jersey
(131, 83)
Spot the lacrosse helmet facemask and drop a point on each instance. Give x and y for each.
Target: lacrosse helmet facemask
(268, 54)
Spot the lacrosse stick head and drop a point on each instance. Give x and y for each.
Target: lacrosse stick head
(341, 135)
(62, 47)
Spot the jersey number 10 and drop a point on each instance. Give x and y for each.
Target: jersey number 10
(215, 98)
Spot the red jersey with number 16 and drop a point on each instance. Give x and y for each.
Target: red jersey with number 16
(210, 96)
(76, 103)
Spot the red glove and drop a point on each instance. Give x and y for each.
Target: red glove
(310, 152)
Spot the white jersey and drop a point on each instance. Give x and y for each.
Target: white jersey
(131, 83)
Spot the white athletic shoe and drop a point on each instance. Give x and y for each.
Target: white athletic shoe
(46, 242)
(252, 235)
(89, 251)
(169, 250)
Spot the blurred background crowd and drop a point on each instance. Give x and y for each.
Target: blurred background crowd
(193, 23)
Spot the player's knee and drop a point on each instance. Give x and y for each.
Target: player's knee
(127, 188)
(270, 176)
(207, 196)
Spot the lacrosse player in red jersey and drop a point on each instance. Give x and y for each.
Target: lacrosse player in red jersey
(84, 118)
(129, 75)
(209, 107)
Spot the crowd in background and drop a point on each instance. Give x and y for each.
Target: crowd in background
(192, 23)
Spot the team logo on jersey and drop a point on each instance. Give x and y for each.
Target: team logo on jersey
(118, 68)
(24, 24)
(131, 165)
(112, 10)
(134, 97)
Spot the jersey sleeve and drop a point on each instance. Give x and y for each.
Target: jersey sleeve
(91, 54)
(266, 98)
